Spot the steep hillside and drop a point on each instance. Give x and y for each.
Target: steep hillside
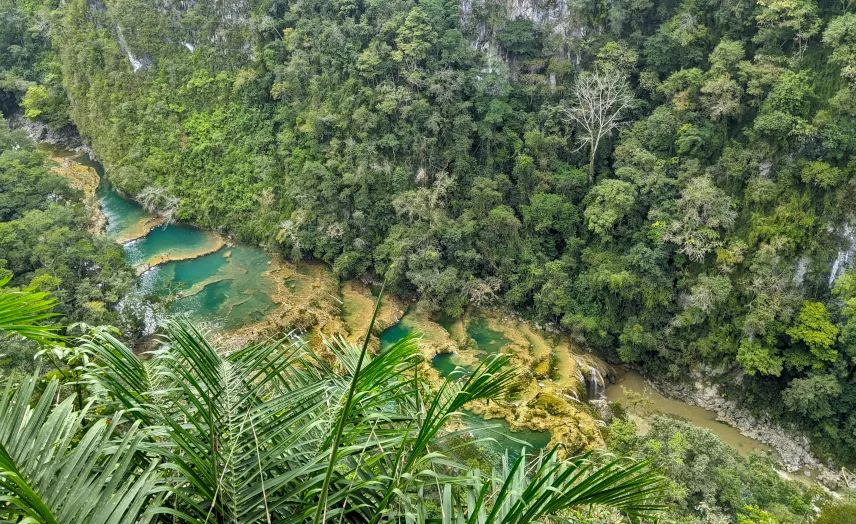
(448, 148)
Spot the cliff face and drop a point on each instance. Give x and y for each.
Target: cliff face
(482, 19)
(846, 256)
(230, 27)
(174, 26)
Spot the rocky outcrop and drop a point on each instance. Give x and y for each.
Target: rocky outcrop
(554, 16)
(846, 256)
(66, 138)
(84, 179)
(794, 449)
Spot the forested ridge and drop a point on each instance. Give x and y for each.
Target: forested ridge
(445, 147)
(45, 245)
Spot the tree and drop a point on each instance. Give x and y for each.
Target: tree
(608, 203)
(47, 104)
(722, 97)
(815, 328)
(845, 290)
(840, 35)
(821, 174)
(837, 513)
(415, 37)
(812, 397)
(600, 101)
(703, 210)
(782, 19)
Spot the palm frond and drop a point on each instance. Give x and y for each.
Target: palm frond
(53, 470)
(22, 312)
(273, 433)
(556, 487)
(236, 430)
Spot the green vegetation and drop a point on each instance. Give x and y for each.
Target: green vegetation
(687, 220)
(667, 181)
(189, 435)
(709, 480)
(44, 244)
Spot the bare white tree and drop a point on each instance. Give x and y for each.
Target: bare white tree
(600, 101)
(155, 199)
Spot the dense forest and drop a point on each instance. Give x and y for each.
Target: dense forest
(688, 222)
(45, 245)
(671, 182)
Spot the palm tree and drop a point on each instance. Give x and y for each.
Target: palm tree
(273, 433)
(54, 468)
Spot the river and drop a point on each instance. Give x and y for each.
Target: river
(634, 384)
(200, 274)
(228, 285)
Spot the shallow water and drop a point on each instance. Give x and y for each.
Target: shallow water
(399, 330)
(444, 363)
(123, 215)
(227, 287)
(174, 241)
(504, 438)
(489, 342)
(635, 383)
(226, 290)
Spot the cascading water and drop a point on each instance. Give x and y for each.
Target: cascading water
(136, 63)
(596, 384)
(845, 258)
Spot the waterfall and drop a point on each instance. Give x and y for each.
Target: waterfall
(597, 384)
(844, 260)
(573, 397)
(135, 62)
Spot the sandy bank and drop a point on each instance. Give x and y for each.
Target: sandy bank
(139, 230)
(215, 244)
(85, 179)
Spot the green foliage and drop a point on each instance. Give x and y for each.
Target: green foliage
(840, 35)
(841, 513)
(378, 138)
(22, 312)
(46, 247)
(270, 426)
(710, 481)
(815, 328)
(46, 103)
(821, 174)
(609, 202)
(54, 468)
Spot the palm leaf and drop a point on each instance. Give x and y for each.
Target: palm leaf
(556, 487)
(54, 470)
(237, 431)
(272, 433)
(22, 312)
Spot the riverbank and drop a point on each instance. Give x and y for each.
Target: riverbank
(139, 230)
(547, 396)
(793, 449)
(704, 406)
(308, 299)
(213, 244)
(84, 179)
